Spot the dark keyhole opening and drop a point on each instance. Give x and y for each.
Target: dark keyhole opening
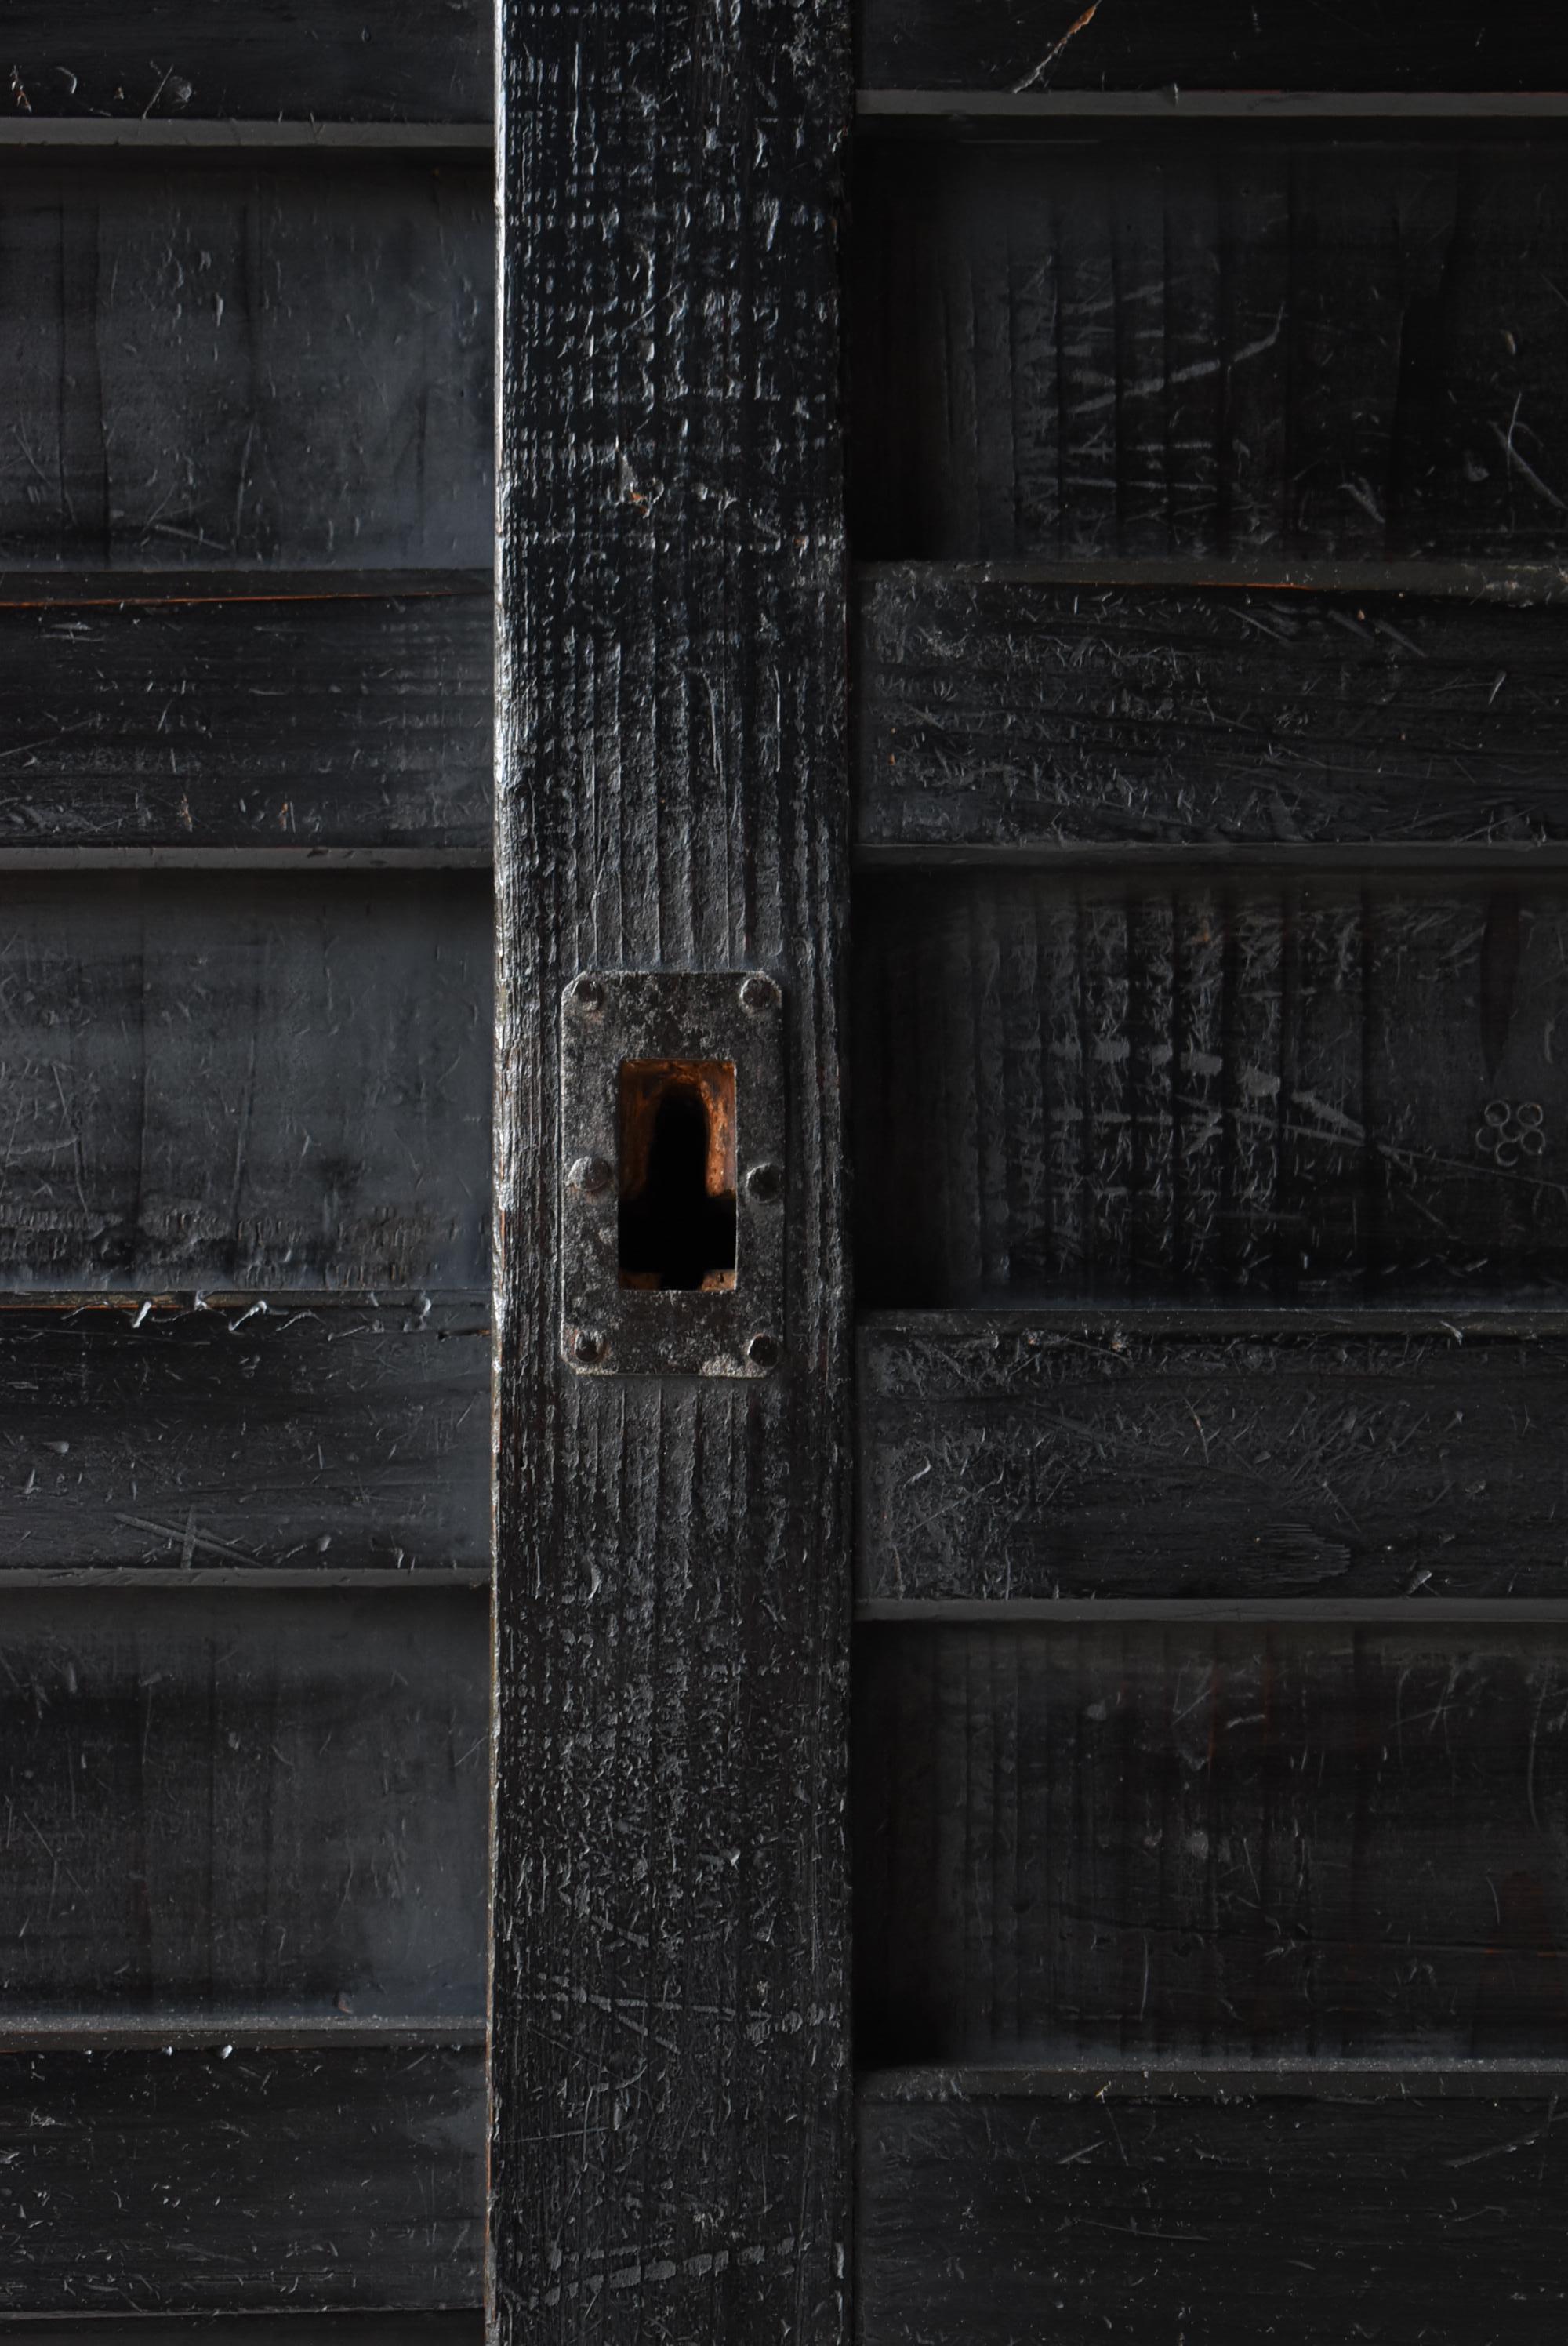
(676, 1220)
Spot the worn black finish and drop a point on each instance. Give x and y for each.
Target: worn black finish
(246, 1082)
(671, 2133)
(1068, 44)
(1270, 1458)
(221, 1801)
(140, 2182)
(457, 2329)
(266, 1434)
(1144, 1091)
(1008, 712)
(1214, 342)
(399, 60)
(252, 363)
(1207, 1842)
(1225, 2219)
(305, 713)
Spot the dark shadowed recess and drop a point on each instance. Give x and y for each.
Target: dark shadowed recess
(1081, 1843)
(1270, 1090)
(1210, 342)
(271, 363)
(318, 60)
(1290, 2213)
(251, 1081)
(1066, 45)
(226, 1802)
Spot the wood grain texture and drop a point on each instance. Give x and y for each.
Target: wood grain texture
(397, 61)
(236, 720)
(464, 2328)
(1226, 2219)
(141, 2182)
(670, 2128)
(247, 1083)
(247, 365)
(1132, 1090)
(1000, 713)
(264, 1434)
(1063, 1457)
(1217, 45)
(1244, 343)
(217, 1802)
(1072, 1843)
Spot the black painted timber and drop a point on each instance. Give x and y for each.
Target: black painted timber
(246, 1083)
(669, 2150)
(1215, 342)
(168, 61)
(291, 1433)
(224, 1802)
(997, 713)
(279, 364)
(1275, 1458)
(259, 2181)
(1222, 2218)
(243, 713)
(1265, 1089)
(1209, 1842)
(1249, 45)
(454, 2329)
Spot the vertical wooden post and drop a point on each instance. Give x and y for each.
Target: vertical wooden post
(670, 2058)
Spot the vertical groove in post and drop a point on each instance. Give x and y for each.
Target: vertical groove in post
(669, 2138)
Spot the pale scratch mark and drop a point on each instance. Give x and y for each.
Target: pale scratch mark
(1037, 73)
(1506, 442)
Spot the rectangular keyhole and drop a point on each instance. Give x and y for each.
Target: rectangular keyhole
(677, 1173)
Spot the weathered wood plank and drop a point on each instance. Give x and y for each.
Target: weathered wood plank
(1226, 2219)
(1257, 343)
(261, 1435)
(1125, 1090)
(1215, 45)
(671, 2041)
(226, 1801)
(1095, 1456)
(454, 2329)
(141, 2182)
(229, 718)
(1005, 713)
(1210, 1841)
(401, 61)
(246, 1083)
(265, 364)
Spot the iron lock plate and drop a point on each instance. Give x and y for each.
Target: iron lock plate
(673, 1173)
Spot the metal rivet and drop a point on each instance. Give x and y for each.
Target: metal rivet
(589, 1174)
(765, 1183)
(588, 994)
(587, 1345)
(763, 1352)
(758, 992)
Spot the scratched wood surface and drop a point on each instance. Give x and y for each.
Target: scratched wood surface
(465, 2328)
(287, 1433)
(322, 60)
(1001, 712)
(1225, 2219)
(1259, 345)
(670, 2116)
(145, 2182)
(1273, 1457)
(1075, 1843)
(1135, 1090)
(251, 1082)
(220, 1802)
(309, 713)
(247, 365)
